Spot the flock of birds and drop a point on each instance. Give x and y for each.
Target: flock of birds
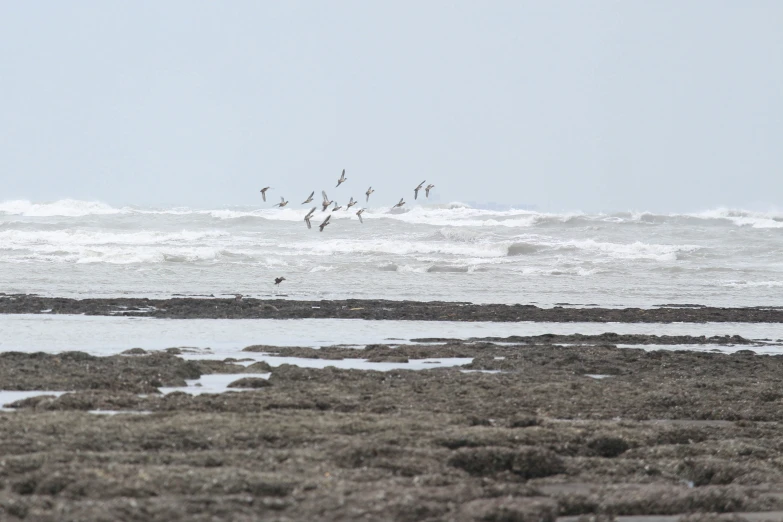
(327, 202)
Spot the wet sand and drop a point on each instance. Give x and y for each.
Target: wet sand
(248, 308)
(541, 437)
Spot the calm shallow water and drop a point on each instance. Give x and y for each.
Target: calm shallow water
(226, 337)
(9, 396)
(222, 338)
(426, 252)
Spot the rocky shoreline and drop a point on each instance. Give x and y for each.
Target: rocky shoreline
(378, 309)
(529, 430)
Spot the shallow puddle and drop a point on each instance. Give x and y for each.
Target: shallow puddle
(10, 396)
(213, 383)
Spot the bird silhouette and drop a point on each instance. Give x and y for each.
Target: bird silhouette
(342, 179)
(417, 189)
(326, 202)
(263, 192)
(309, 198)
(308, 216)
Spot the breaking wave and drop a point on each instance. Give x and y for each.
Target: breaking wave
(64, 207)
(744, 218)
(635, 250)
(454, 214)
(529, 255)
(78, 237)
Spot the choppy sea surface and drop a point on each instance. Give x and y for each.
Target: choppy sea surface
(450, 252)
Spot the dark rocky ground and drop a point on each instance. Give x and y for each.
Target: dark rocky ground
(668, 433)
(209, 308)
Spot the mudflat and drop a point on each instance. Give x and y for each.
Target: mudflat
(529, 430)
(250, 308)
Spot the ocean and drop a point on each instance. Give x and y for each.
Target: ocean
(449, 252)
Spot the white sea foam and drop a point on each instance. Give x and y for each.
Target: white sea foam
(560, 271)
(321, 268)
(450, 214)
(752, 284)
(25, 238)
(148, 255)
(469, 217)
(456, 234)
(635, 250)
(441, 251)
(420, 269)
(88, 246)
(744, 218)
(400, 247)
(64, 207)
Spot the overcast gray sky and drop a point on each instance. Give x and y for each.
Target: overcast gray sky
(592, 105)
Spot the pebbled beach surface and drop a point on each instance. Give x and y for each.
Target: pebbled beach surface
(530, 430)
(250, 308)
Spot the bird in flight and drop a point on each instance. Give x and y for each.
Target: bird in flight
(400, 204)
(342, 179)
(369, 191)
(263, 192)
(282, 203)
(427, 189)
(417, 189)
(351, 203)
(308, 216)
(359, 213)
(336, 206)
(279, 280)
(326, 222)
(326, 202)
(309, 198)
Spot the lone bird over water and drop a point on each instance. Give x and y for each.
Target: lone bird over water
(342, 179)
(417, 189)
(309, 198)
(326, 202)
(359, 213)
(308, 216)
(282, 203)
(279, 280)
(326, 222)
(263, 192)
(428, 188)
(400, 204)
(369, 191)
